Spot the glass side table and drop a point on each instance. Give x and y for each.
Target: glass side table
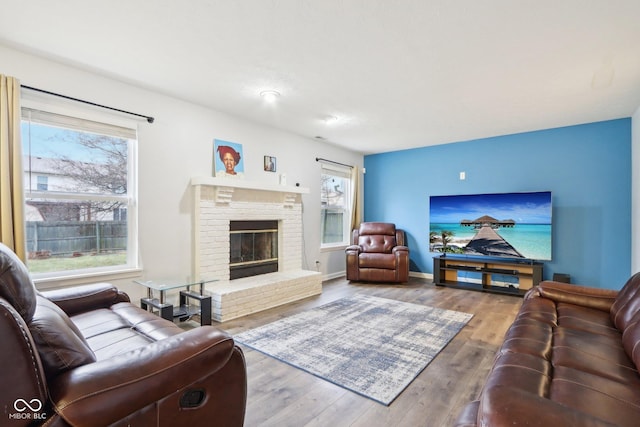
(185, 310)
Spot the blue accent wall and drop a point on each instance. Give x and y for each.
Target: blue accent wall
(587, 168)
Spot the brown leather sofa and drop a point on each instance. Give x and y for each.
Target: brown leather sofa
(378, 253)
(570, 358)
(86, 356)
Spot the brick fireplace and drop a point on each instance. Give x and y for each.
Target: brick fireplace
(218, 202)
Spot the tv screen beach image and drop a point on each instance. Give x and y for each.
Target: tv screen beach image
(512, 225)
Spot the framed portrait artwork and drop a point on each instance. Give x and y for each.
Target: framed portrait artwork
(227, 159)
(269, 163)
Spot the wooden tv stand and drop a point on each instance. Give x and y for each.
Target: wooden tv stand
(487, 275)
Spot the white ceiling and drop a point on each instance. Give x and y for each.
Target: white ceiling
(395, 74)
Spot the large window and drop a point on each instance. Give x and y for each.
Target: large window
(335, 193)
(80, 193)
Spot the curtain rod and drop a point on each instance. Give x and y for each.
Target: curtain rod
(149, 118)
(320, 159)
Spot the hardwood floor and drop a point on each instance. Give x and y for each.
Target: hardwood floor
(281, 395)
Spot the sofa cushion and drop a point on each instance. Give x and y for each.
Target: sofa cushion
(600, 397)
(150, 325)
(60, 344)
(15, 283)
(607, 348)
(124, 315)
(522, 371)
(592, 353)
(97, 322)
(375, 260)
(119, 341)
(586, 319)
(121, 328)
(531, 337)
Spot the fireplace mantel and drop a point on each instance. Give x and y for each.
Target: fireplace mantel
(225, 190)
(246, 184)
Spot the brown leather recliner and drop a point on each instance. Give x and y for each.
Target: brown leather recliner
(378, 253)
(86, 356)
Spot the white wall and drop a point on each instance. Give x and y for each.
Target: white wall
(178, 146)
(635, 192)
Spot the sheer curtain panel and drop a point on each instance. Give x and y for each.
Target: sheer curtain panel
(12, 229)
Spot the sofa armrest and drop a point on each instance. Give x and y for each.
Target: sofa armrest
(585, 296)
(352, 255)
(103, 392)
(400, 249)
(78, 299)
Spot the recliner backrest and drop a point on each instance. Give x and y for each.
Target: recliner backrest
(16, 286)
(41, 341)
(378, 237)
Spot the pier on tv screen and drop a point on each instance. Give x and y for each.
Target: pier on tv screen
(509, 225)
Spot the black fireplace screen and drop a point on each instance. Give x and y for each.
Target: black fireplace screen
(253, 248)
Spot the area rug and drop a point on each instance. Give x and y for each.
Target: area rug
(372, 346)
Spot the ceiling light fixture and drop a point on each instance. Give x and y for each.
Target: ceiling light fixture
(330, 119)
(270, 95)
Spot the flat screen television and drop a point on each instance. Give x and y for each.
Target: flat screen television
(503, 225)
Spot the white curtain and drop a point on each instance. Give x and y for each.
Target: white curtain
(12, 226)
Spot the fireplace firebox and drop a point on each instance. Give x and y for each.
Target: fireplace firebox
(253, 248)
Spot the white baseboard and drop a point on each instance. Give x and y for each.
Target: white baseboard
(334, 275)
(344, 273)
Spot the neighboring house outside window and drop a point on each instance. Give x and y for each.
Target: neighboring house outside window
(335, 194)
(43, 183)
(80, 192)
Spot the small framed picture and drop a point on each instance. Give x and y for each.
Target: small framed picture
(269, 163)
